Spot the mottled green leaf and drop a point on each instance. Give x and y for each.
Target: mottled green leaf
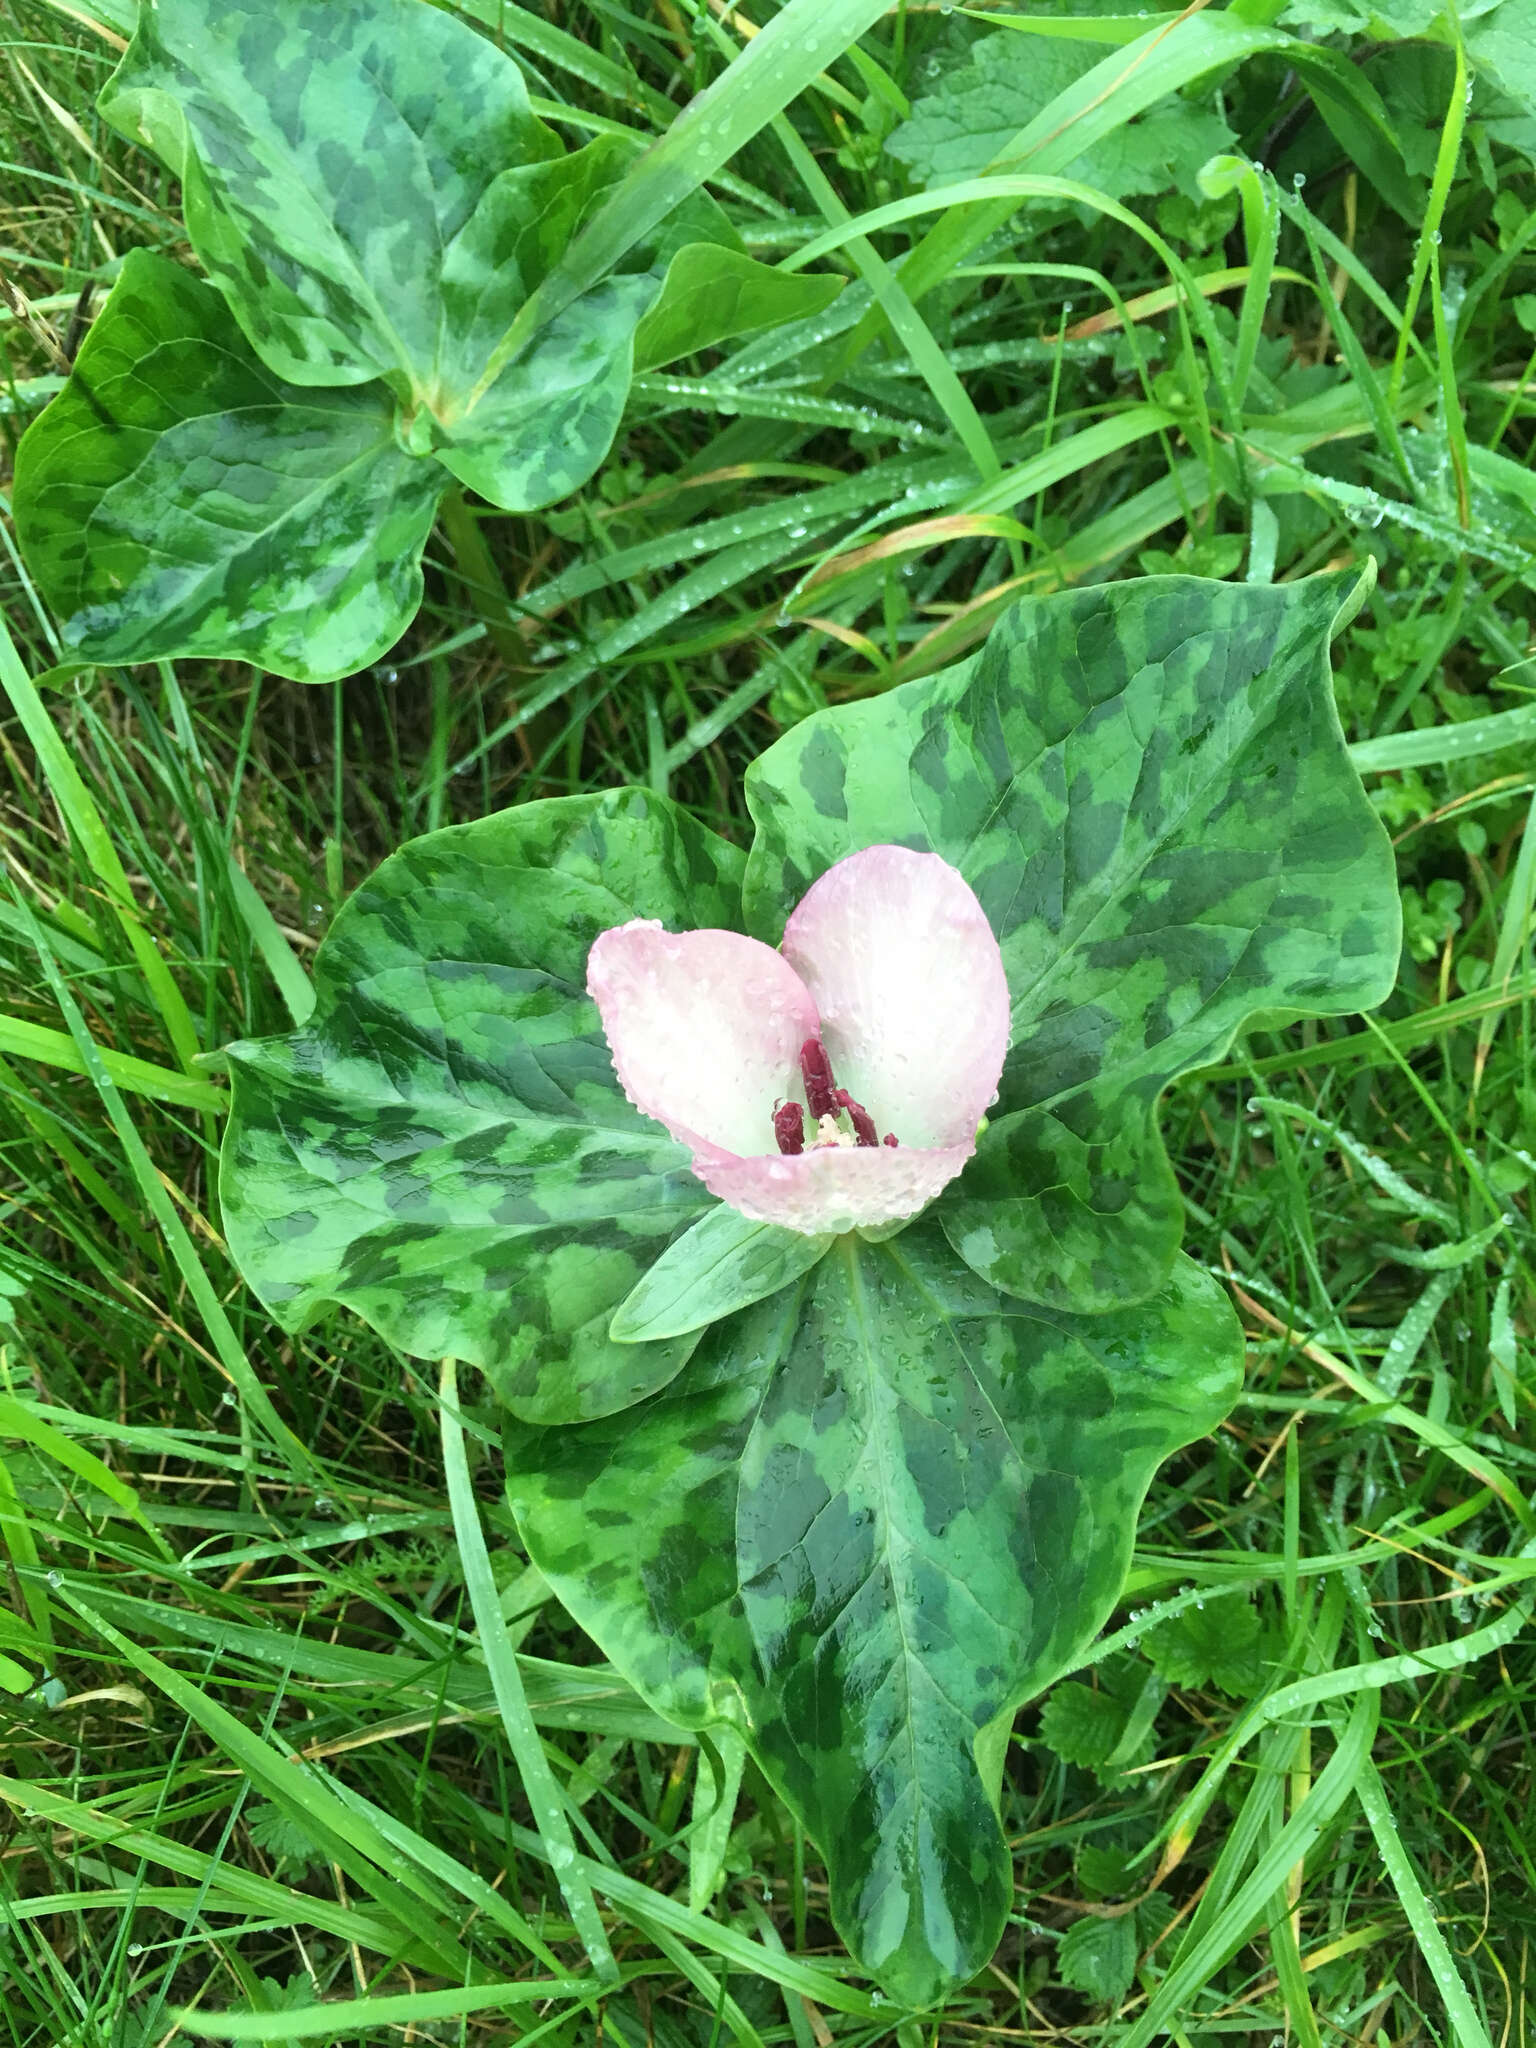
(178, 498)
(338, 169)
(550, 417)
(712, 294)
(370, 190)
(866, 1520)
(536, 429)
(1146, 785)
(444, 1147)
(724, 1262)
(1097, 1215)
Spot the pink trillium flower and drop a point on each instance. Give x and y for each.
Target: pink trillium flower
(834, 1084)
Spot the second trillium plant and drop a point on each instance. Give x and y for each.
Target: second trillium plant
(806, 1210)
(248, 464)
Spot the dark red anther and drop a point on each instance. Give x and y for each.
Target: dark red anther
(863, 1123)
(789, 1127)
(817, 1069)
(890, 1139)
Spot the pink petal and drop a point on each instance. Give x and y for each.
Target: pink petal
(839, 1188)
(902, 965)
(705, 1029)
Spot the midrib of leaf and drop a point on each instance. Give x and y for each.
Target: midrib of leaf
(863, 1324)
(870, 1350)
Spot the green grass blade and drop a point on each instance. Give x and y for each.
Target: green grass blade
(282, 962)
(527, 1746)
(775, 67)
(231, 1353)
(1198, 1960)
(345, 1836)
(18, 1421)
(86, 822)
(25, 1040)
(222, 1886)
(1469, 2031)
(345, 2015)
(1514, 935)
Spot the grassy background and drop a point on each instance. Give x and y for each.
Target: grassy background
(252, 1758)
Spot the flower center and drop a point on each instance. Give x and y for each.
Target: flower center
(829, 1106)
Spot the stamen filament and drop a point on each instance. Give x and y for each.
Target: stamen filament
(863, 1123)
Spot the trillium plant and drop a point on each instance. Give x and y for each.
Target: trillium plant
(804, 1207)
(248, 464)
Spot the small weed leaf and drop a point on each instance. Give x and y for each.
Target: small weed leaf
(1220, 1643)
(1082, 1724)
(1104, 1872)
(971, 117)
(1499, 35)
(279, 1834)
(1502, 46)
(1098, 1957)
(1086, 1724)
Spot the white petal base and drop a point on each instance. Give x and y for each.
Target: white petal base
(842, 1189)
